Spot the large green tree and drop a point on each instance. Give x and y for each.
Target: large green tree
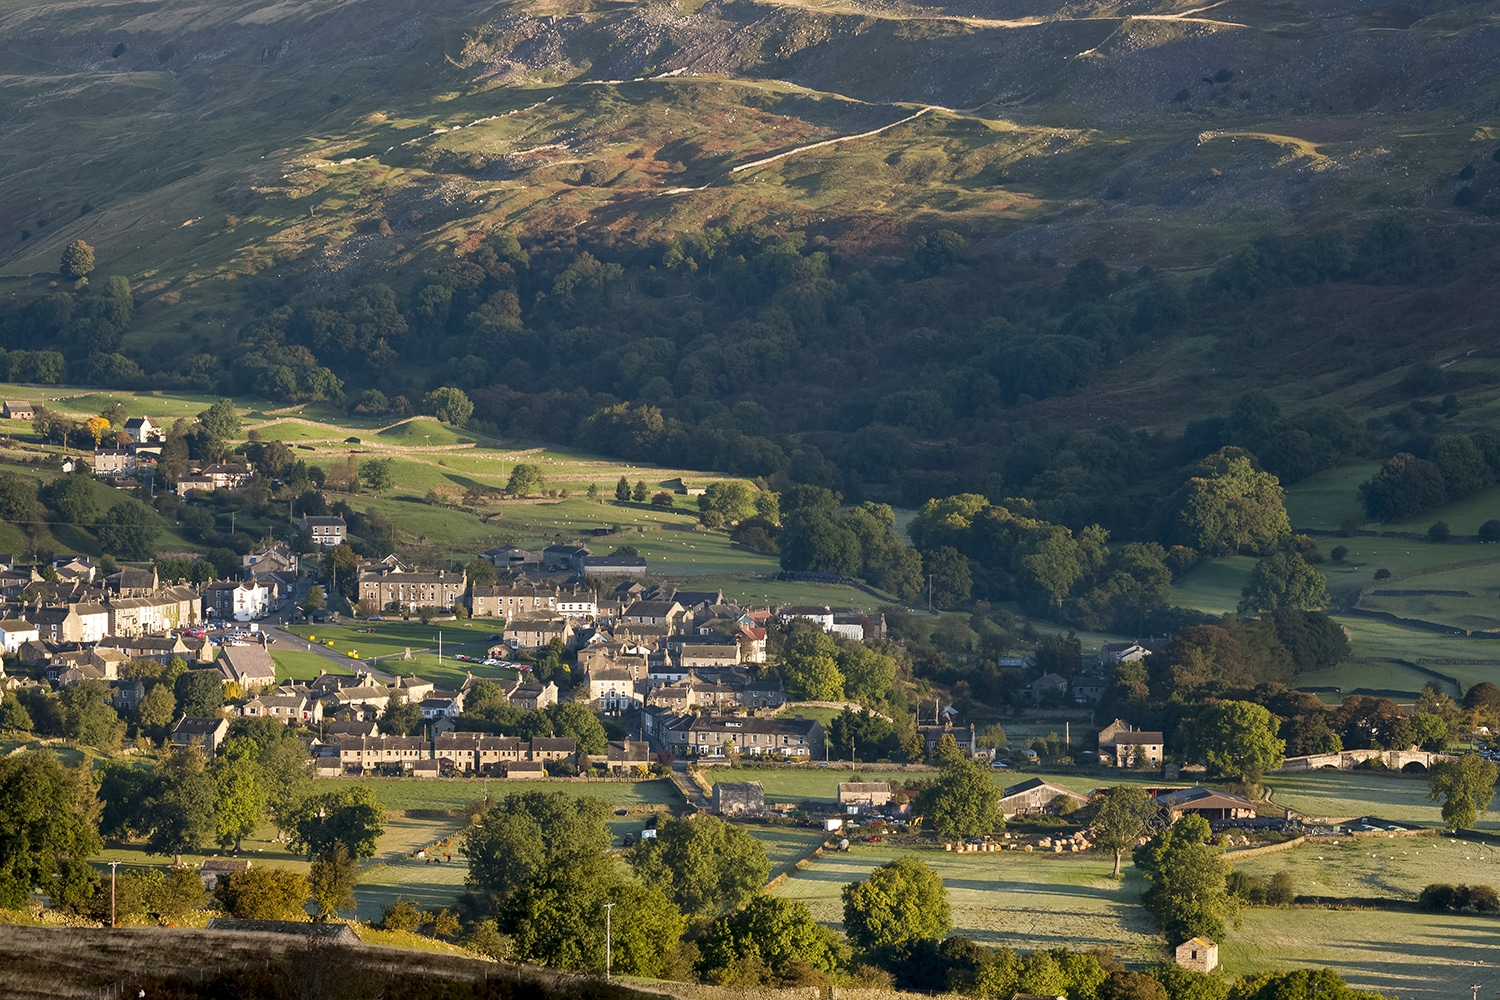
(331, 880)
(525, 480)
(540, 863)
(264, 894)
(902, 901)
(47, 819)
(128, 531)
(809, 664)
(1117, 817)
(1189, 894)
(179, 812)
(88, 716)
(378, 474)
(1283, 580)
(240, 805)
(73, 499)
(286, 776)
(200, 693)
(1404, 486)
(731, 499)
(963, 800)
(450, 405)
(221, 421)
(77, 260)
(1466, 785)
(703, 864)
(1238, 740)
(1229, 506)
(770, 941)
(351, 816)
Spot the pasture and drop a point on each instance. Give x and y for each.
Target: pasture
(1397, 867)
(1412, 955)
(808, 784)
(385, 648)
(1008, 899)
(786, 845)
(1348, 794)
(416, 795)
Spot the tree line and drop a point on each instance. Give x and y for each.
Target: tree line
(773, 354)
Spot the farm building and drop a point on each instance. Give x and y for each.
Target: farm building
(740, 798)
(1034, 795)
(1198, 954)
(1206, 802)
(864, 795)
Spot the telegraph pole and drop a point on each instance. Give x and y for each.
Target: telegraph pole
(113, 865)
(608, 939)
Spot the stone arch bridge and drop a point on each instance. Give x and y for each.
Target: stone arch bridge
(1411, 761)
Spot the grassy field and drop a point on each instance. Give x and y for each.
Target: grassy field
(1397, 868)
(409, 794)
(1327, 500)
(1213, 585)
(303, 666)
(1343, 794)
(1018, 900)
(816, 784)
(786, 845)
(1407, 954)
(802, 784)
(432, 885)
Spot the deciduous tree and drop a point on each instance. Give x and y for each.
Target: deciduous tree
(1283, 580)
(128, 531)
(704, 865)
(1466, 785)
(378, 474)
(73, 498)
(332, 881)
(1238, 740)
(221, 421)
(1189, 895)
(963, 801)
(525, 480)
(902, 901)
(47, 818)
(240, 805)
(351, 816)
(451, 406)
(77, 260)
(180, 808)
(1118, 817)
(1229, 506)
(771, 940)
(264, 894)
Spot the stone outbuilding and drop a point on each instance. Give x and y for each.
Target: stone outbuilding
(864, 795)
(739, 798)
(1199, 954)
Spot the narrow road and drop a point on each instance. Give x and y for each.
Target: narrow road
(689, 787)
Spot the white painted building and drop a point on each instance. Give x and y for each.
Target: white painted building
(14, 632)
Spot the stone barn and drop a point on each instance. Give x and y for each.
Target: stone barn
(1198, 954)
(864, 795)
(740, 798)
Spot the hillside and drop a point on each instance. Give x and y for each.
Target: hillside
(200, 141)
(1299, 196)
